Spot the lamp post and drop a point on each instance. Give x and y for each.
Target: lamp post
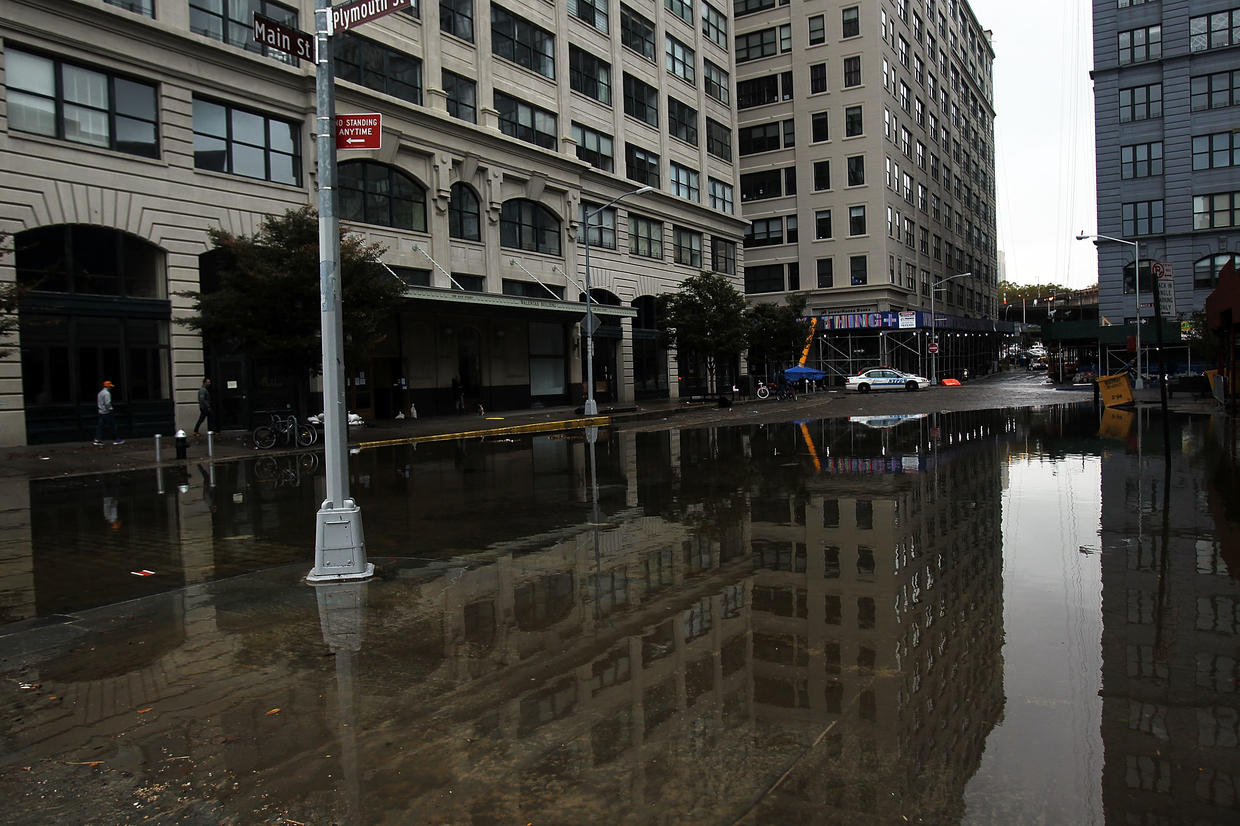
(1138, 383)
(934, 336)
(591, 406)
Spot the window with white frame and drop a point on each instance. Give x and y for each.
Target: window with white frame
(817, 78)
(853, 122)
(856, 170)
(850, 22)
(822, 225)
(817, 29)
(852, 71)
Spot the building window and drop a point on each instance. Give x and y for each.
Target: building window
(680, 59)
(69, 102)
(850, 22)
(456, 17)
(1215, 151)
(764, 137)
(1145, 218)
(817, 29)
(856, 170)
(528, 225)
(517, 39)
(645, 236)
(764, 232)
(464, 213)
(592, 12)
(858, 270)
(525, 121)
(856, 220)
(681, 8)
(375, 193)
(461, 94)
(377, 67)
(684, 182)
(241, 142)
(758, 186)
(602, 227)
(1215, 211)
(233, 23)
(682, 121)
(757, 92)
(594, 147)
(1141, 44)
(715, 25)
(641, 165)
(764, 279)
(717, 83)
(146, 8)
(740, 8)
(1213, 91)
(723, 256)
(852, 72)
(589, 75)
(852, 122)
(1145, 159)
(718, 139)
(756, 45)
(641, 100)
(822, 175)
(720, 194)
(636, 32)
(1206, 270)
(1214, 31)
(818, 131)
(826, 273)
(817, 78)
(687, 247)
(822, 225)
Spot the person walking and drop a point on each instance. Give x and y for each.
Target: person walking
(204, 409)
(107, 417)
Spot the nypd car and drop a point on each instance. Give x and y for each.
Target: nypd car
(885, 378)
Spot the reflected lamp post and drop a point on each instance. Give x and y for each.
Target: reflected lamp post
(934, 335)
(591, 406)
(1138, 383)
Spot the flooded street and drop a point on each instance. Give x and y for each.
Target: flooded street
(987, 616)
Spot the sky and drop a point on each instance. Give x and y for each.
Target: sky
(1044, 138)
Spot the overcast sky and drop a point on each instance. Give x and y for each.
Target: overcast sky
(1044, 138)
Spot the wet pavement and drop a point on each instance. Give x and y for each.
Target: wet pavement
(904, 608)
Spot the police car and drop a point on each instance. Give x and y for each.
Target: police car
(885, 378)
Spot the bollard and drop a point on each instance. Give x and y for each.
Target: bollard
(211, 443)
(182, 442)
(158, 451)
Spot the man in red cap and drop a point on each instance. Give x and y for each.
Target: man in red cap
(107, 418)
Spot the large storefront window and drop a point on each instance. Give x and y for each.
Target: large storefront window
(649, 355)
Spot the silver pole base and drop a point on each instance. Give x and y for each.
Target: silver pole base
(339, 547)
(590, 408)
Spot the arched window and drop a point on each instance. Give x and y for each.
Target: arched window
(528, 225)
(463, 213)
(1206, 270)
(375, 193)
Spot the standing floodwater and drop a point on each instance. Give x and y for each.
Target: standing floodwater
(1022, 616)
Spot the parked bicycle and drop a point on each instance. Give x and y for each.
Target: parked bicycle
(286, 430)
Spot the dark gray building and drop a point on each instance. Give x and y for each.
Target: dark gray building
(1166, 91)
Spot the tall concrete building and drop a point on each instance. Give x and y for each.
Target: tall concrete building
(132, 128)
(866, 142)
(1166, 90)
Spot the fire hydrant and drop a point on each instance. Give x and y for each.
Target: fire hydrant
(182, 445)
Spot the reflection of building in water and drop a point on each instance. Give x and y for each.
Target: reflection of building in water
(1171, 633)
(877, 605)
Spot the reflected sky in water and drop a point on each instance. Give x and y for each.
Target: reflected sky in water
(975, 617)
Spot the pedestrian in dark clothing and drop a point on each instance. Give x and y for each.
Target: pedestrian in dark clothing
(204, 408)
(107, 417)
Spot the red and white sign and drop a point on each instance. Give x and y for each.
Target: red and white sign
(933, 348)
(363, 11)
(361, 131)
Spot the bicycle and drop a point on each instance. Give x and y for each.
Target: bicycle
(284, 429)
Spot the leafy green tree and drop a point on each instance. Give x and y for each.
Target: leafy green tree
(1015, 293)
(10, 297)
(777, 333)
(266, 303)
(1203, 342)
(705, 320)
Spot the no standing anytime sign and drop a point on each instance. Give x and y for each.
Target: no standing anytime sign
(359, 131)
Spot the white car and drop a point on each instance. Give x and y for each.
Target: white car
(885, 378)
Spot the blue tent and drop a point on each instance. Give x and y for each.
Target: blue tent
(798, 373)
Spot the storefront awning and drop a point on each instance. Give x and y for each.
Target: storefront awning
(498, 301)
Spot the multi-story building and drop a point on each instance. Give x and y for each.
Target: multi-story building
(132, 128)
(1166, 90)
(870, 126)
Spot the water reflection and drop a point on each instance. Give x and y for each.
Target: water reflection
(798, 623)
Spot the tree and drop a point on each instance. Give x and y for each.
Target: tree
(777, 332)
(706, 320)
(1014, 293)
(266, 302)
(1203, 342)
(10, 297)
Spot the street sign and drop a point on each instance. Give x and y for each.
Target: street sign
(361, 131)
(908, 320)
(282, 38)
(934, 347)
(1166, 294)
(355, 14)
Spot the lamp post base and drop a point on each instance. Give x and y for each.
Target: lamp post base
(590, 408)
(339, 547)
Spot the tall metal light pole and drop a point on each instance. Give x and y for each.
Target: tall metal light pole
(934, 335)
(591, 406)
(1138, 383)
